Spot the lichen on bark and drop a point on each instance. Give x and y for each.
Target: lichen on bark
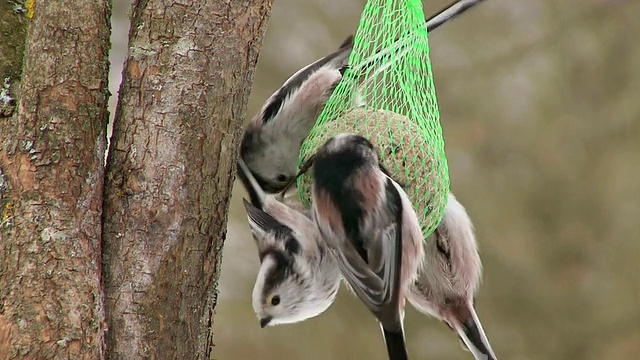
(13, 30)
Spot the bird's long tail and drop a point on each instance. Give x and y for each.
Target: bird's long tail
(472, 335)
(395, 344)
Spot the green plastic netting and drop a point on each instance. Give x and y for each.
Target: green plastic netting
(388, 96)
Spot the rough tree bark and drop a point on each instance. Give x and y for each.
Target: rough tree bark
(171, 166)
(51, 182)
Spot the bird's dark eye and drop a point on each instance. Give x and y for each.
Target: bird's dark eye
(281, 178)
(275, 300)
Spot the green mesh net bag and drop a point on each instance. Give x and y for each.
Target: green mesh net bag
(388, 96)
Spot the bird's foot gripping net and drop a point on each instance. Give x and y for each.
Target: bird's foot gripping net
(387, 95)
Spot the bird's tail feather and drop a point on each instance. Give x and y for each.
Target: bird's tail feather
(395, 344)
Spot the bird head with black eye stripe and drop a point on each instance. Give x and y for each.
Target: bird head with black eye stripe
(293, 283)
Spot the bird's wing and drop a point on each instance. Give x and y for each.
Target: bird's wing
(366, 284)
(385, 245)
(375, 283)
(274, 103)
(266, 230)
(259, 219)
(374, 280)
(265, 213)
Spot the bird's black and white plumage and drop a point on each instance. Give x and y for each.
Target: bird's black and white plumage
(367, 220)
(298, 277)
(271, 142)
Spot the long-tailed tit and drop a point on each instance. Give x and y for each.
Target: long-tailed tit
(450, 277)
(368, 221)
(298, 277)
(272, 140)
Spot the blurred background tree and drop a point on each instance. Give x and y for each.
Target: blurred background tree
(539, 105)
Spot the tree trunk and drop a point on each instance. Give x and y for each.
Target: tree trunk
(51, 182)
(171, 166)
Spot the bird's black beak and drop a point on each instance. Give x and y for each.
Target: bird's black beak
(473, 337)
(265, 321)
(303, 169)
